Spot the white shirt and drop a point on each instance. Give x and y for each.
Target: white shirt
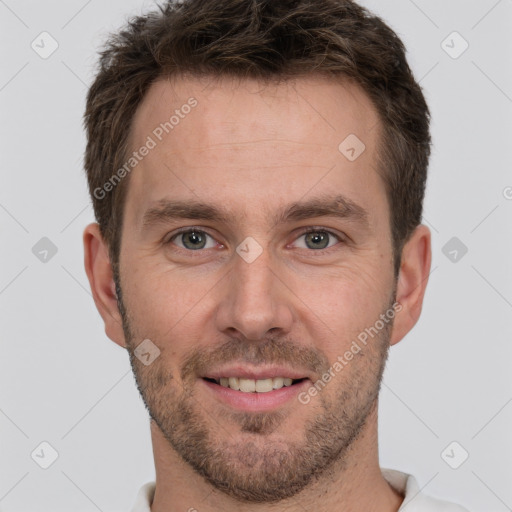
(405, 484)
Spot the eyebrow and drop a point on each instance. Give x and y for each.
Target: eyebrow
(338, 206)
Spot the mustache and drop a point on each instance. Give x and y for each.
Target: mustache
(271, 351)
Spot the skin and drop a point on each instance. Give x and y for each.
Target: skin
(254, 149)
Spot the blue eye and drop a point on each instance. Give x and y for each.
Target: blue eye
(318, 239)
(193, 239)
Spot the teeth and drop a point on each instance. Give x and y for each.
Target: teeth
(264, 385)
(278, 382)
(233, 383)
(251, 385)
(247, 385)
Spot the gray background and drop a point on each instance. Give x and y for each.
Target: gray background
(64, 382)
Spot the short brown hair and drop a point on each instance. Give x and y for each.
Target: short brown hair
(266, 40)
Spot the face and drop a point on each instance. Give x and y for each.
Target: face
(254, 254)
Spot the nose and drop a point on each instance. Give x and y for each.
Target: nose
(255, 300)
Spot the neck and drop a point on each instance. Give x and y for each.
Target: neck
(355, 485)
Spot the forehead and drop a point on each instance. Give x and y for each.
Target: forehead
(237, 111)
(251, 145)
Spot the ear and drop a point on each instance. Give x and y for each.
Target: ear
(412, 281)
(99, 271)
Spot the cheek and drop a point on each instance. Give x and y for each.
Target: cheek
(160, 300)
(346, 302)
(356, 287)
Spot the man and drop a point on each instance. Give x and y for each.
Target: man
(257, 170)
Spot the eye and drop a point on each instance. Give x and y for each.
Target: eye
(192, 239)
(318, 239)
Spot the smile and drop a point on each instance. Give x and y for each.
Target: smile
(255, 385)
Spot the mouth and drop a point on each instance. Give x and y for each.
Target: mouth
(254, 385)
(255, 389)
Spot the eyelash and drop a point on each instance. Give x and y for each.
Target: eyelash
(311, 229)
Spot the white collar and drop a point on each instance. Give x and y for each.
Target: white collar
(405, 484)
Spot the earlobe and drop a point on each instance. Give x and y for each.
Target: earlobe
(412, 281)
(99, 272)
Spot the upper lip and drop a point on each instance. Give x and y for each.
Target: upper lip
(256, 372)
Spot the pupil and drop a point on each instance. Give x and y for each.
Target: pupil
(195, 237)
(318, 238)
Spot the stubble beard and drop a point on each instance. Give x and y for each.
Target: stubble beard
(253, 467)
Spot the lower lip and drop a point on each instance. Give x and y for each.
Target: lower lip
(256, 401)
